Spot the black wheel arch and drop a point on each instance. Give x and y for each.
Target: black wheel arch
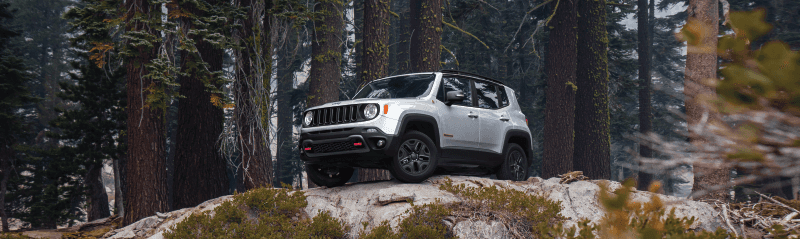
(422, 123)
(521, 138)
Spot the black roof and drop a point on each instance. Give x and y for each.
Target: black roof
(455, 72)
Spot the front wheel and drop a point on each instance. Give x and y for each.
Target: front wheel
(515, 165)
(416, 158)
(328, 176)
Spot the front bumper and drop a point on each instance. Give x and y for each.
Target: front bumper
(348, 146)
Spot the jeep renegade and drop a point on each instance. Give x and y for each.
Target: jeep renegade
(411, 124)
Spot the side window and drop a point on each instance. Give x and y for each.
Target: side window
(453, 84)
(487, 95)
(501, 96)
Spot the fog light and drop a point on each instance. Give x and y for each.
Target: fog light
(381, 143)
(372, 130)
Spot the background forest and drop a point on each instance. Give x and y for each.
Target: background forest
(132, 107)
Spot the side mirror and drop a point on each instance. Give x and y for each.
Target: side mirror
(454, 96)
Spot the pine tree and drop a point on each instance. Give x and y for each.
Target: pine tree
(645, 107)
(375, 60)
(592, 126)
(94, 131)
(44, 48)
(199, 168)
(700, 66)
(426, 23)
(146, 179)
(13, 95)
(285, 127)
(326, 54)
(252, 82)
(560, 107)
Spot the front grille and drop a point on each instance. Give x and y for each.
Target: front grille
(336, 115)
(334, 147)
(331, 131)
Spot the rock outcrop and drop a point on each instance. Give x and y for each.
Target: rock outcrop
(375, 202)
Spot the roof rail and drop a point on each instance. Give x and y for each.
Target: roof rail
(456, 72)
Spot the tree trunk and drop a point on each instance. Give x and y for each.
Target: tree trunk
(256, 163)
(326, 56)
(560, 106)
(325, 49)
(592, 146)
(146, 180)
(426, 36)
(645, 107)
(98, 199)
(375, 62)
(403, 45)
(118, 197)
(285, 120)
(6, 155)
(199, 168)
(699, 67)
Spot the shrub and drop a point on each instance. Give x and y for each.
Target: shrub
(260, 213)
(627, 219)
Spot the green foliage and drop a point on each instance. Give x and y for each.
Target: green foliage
(536, 212)
(13, 236)
(751, 78)
(260, 213)
(423, 221)
(627, 219)
(426, 221)
(51, 180)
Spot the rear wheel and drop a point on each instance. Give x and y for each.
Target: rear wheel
(515, 164)
(416, 158)
(329, 176)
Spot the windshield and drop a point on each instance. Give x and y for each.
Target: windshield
(410, 86)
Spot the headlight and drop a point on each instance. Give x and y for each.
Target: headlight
(309, 117)
(370, 111)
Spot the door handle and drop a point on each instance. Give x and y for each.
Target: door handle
(471, 115)
(505, 119)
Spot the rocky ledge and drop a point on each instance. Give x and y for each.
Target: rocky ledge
(375, 202)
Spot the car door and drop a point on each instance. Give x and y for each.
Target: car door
(492, 115)
(459, 121)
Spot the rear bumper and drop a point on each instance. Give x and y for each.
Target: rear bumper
(341, 147)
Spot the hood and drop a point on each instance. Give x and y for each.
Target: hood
(364, 101)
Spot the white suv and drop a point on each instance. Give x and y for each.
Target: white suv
(411, 124)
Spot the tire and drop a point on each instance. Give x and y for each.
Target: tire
(415, 159)
(328, 176)
(515, 164)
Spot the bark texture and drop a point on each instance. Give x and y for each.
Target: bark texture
(285, 128)
(375, 62)
(402, 61)
(326, 52)
(146, 180)
(6, 155)
(326, 55)
(426, 36)
(119, 207)
(701, 66)
(255, 169)
(97, 203)
(592, 127)
(559, 116)
(376, 40)
(645, 107)
(199, 168)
